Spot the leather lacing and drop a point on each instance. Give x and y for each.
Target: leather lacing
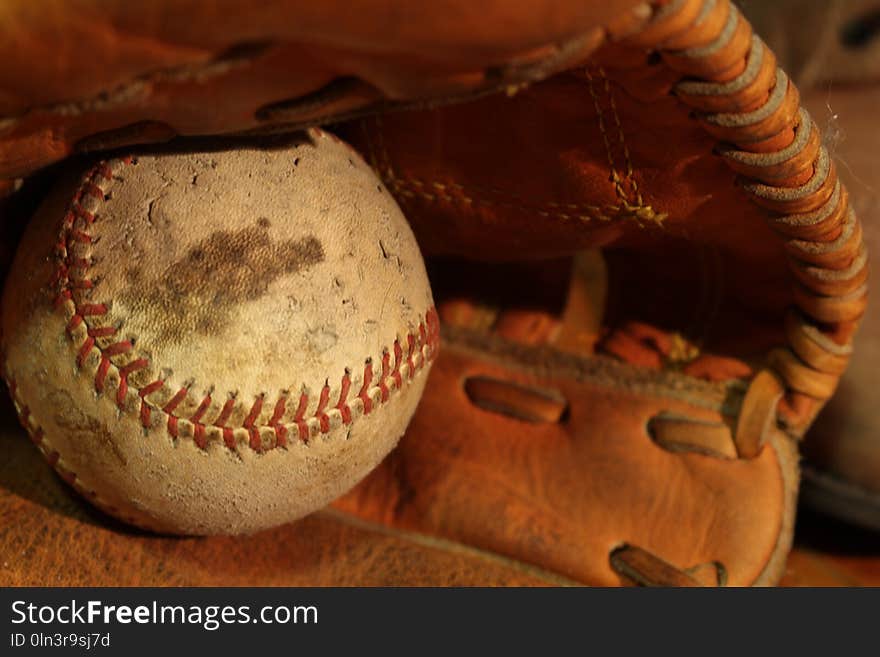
(739, 95)
(541, 404)
(640, 567)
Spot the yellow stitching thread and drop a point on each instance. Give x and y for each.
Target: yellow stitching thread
(410, 188)
(637, 209)
(609, 153)
(432, 191)
(629, 167)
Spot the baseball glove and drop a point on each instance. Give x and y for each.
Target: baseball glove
(620, 405)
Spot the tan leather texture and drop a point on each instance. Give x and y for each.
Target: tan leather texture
(86, 74)
(565, 494)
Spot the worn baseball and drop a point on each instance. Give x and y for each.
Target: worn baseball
(218, 342)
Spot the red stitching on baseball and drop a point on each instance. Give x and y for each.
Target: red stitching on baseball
(122, 347)
(299, 417)
(79, 236)
(226, 412)
(92, 189)
(275, 421)
(254, 414)
(364, 394)
(74, 322)
(342, 405)
(72, 283)
(196, 417)
(84, 351)
(122, 390)
(398, 355)
(323, 418)
(77, 211)
(280, 435)
(145, 408)
(254, 433)
(228, 436)
(411, 349)
(92, 309)
(101, 375)
(174, 402)
(199, 436)
(278, 413)
(386, 372)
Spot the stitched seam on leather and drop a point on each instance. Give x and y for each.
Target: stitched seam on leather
(432, 191)
(628, 178)
(400, 362)
(408, 187)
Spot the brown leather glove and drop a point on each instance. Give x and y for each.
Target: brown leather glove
(645, 436)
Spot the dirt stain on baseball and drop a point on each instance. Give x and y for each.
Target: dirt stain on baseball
(225, 269)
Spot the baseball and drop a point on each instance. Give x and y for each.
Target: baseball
(218, 342)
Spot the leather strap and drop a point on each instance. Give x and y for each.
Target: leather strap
(751, 106)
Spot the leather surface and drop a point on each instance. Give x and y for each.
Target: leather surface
(564, 495)
(532, 176)
(88, 74)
